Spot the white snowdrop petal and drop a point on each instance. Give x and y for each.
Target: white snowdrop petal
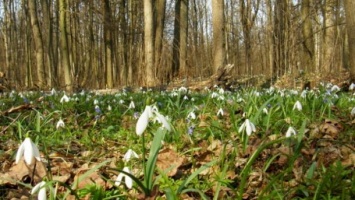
(163, 120)
(142, 123)
(20, 152)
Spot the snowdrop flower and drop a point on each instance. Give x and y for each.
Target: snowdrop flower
(248, 126)
(65, 99)
(191, 115)
(335, 88)
(163, 121)
(121, 101)
(221, 91)
(128, 180)
(60, 124)
(53, 92)
(182, 89)
(186, 98)
(352, 112)
(96, 102)
(129, 154)
(41, 189)
(265, 111)
(143, 120)
(220, 112)
(109, 108)
(28, 150)
(352, 86)
(131, 105)
(304, 94)
(297, 106)
(290, 131)
(214, 95)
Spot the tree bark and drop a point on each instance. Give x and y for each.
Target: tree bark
(308, 39)
(148, 43)
(108, 43)
(350, 27)
(63, 40)
(37, 37)
(218, 34)
(159, 18)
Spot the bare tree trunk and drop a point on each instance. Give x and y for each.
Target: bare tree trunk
(108, 43)
(308, 39)
(281, 24)
(328, 36)
(183, 37)
(149, 43)
(37, 37)
(248, 19)
(218, 34)
(47, 41)
(176, 41)
(64, 52)
(159, 19)
(350, 26)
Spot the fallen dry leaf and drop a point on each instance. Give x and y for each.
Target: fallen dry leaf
(168, 160)
(21, 170)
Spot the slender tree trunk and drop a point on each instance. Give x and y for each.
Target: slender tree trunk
(149, 43)
(308, 40)
(108, 43)
(47, 41)
(328, 36)
(350, 27)
(37, 37)
(176, 41)
(159, 19)
(64, 52)
(183, 37)
(218, 34)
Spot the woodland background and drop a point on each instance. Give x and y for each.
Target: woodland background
(73, 44)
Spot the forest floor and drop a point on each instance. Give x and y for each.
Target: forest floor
(248, 143)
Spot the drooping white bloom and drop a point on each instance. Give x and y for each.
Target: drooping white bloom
(304, 94)
(220, 112)
(191, 115)
(163, 120)
(65, 99)
(128, 180)
(143, 120)
(109, 108)
(265, 111)
(96, 102)
(186, 98)
(221, 91)
(214, 95)
(297, 106)
(148, 113)
(60, 124)
(131, 105)
(182, 89)
(129, 154)
(352, 86)
(28, 150)
(290, 131)
(53, 92)
(41, 189)
(335, 88)
(352, 112)
(248, 126)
